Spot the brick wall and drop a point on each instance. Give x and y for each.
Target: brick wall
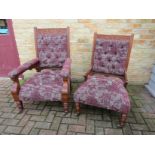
(142, 56)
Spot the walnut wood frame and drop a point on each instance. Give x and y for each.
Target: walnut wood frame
(123, 77)
(66, 80)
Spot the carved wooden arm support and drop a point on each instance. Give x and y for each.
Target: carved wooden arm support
(65, 88)
(66, 74)
(65, 92)
(15, 90)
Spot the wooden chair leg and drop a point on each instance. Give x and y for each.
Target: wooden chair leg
(17, 101)
(65, 100)
(123, 119)
(20, 106)
(65, 107)
(70, 87)
(77, 108)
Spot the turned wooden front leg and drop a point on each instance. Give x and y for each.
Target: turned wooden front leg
(19, 103)
(77, 108)
(65, 99)
(65, 107)
(20, 106)
(123, 119)
(65, 93)
(15, 94)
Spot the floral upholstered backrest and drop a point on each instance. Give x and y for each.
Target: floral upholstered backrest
(111, 53)
(52, 46)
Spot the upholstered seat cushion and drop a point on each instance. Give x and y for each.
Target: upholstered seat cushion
(45, 85)
(105, 92)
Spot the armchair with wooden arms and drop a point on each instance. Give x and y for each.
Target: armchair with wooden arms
(53, 66)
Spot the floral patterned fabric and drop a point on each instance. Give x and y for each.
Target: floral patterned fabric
(52, 49)
(65, 72)
(110, 56)
(43, 86)
(23, 68)
(105, 92)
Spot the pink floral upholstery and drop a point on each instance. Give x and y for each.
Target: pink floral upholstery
(23, 68)
(105, 92)
(52, 49)
(43, 86)
(110, 56)
(65, 72)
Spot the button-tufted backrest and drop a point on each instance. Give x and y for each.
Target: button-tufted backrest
(111, 53)
(52, 46)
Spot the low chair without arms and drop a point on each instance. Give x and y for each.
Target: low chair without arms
(106, 81)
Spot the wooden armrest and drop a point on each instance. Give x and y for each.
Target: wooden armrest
(21, 69)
